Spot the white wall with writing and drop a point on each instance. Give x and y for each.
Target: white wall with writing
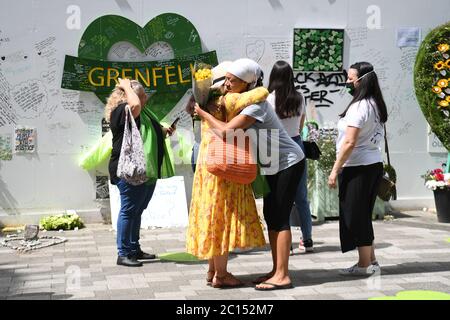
(36, 35)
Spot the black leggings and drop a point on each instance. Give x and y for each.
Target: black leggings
(278, 203)
(357, 194)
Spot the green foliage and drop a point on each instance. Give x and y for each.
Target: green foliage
(5, 155)
(426, 76)
(5, 148)
(328, 148)
(61, 221)
(318, 49)
(327, 145)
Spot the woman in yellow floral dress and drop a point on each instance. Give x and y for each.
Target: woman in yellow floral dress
(223, 214)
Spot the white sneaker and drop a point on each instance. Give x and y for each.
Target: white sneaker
(360, 271)
(306, 246)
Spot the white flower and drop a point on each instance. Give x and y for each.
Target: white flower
(431, 184)
(441, 184)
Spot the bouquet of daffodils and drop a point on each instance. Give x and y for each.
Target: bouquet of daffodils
(201, 83)
(437, 179)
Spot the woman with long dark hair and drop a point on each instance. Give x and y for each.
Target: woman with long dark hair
(290, 106)
(359, 165)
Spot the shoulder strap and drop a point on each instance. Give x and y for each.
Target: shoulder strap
(386, 149)
(386, 146)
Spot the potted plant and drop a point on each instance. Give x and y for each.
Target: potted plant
(439, 182)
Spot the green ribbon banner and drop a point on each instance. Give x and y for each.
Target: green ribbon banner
(164, 76)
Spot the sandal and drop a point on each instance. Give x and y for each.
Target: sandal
(263, 278)
(209, 277)
(274, 286)
(223, 284)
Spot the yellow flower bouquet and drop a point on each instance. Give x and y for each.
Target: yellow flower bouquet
(201, 83)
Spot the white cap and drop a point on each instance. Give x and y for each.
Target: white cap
(219, 72)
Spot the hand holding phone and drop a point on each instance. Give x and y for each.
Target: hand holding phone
(175, 123)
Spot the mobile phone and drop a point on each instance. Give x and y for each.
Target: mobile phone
(175, 122)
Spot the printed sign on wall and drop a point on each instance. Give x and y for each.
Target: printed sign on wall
(408, 37)
(25, 140)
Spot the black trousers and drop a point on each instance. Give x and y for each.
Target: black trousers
(357, 194)
(278, 203)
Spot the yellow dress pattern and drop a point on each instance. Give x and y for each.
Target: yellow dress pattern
(222, 214)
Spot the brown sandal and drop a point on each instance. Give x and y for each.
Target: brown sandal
(222, 283)
(209, 278)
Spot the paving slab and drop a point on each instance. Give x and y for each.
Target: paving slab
(412, 250)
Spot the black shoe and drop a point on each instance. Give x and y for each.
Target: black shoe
(306, 246)
(309, 245)
(141, 255)
(128, 262)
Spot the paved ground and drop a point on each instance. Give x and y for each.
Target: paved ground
(413, 250)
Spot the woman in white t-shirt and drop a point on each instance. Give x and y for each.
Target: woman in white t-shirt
(289, 105)
(282, 169)
(359, 165)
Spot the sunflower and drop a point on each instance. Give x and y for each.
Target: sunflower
(443, 83)
(439, 65)
(437, 89)
(443, 47)
(447, 63)
(447, 98)
(443, 103)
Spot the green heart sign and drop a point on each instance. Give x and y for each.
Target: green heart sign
(432, 79)
(168, 28)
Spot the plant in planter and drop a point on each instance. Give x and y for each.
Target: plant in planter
(439, 182)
